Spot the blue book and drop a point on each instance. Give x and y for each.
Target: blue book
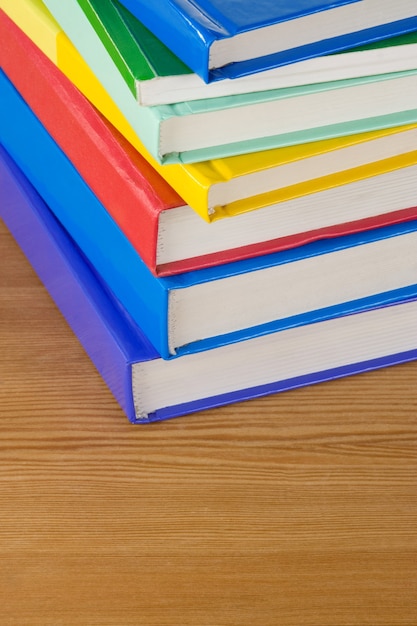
(149, 388)
(226, 39)
(216, 306)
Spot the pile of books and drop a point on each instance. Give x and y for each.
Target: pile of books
(221, 202)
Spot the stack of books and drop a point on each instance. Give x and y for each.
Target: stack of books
(222, 203)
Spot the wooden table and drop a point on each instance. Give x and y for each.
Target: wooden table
(294, 510)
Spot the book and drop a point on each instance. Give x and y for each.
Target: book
(214, 189)
(167, 233)
(207, 129)
(222, 38)
(149, 389)
(156, 76)
(199, 310)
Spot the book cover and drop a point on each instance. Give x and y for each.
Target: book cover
(223, 38)
(201, 185)
(218, 127)
(137, 197)
(197, 311)
(123, 180)
(156, 76)
(122, 354)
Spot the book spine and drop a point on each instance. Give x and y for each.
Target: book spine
(72, 286)
(192, 182)
(85, 138)
(188, 181)
(111, 15)
(32, 17)
(144, 296)
(148, 120)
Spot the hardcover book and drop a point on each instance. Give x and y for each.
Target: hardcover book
(224, 38)
(217, 306)
(216, 188)
(167, 233)
(218, 127)
(156, 76)
(150, 389)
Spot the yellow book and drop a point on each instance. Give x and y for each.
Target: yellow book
(226, 187)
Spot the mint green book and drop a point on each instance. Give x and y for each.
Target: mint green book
(156, 76)
(201, 130)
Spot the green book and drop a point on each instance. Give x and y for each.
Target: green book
(156, 76)
(211, 128)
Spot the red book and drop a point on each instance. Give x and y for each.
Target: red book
(169, 236)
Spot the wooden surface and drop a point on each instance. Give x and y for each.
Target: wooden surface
(294, 510)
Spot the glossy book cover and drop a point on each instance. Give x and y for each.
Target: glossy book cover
(156, 76)
(227, 38)
(122, 354)
(167, 234)
(198, 183)
(219, 306)
(206, 129)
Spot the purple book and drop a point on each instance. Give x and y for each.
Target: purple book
(149, 388)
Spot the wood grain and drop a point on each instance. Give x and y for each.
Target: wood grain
(295, 510)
